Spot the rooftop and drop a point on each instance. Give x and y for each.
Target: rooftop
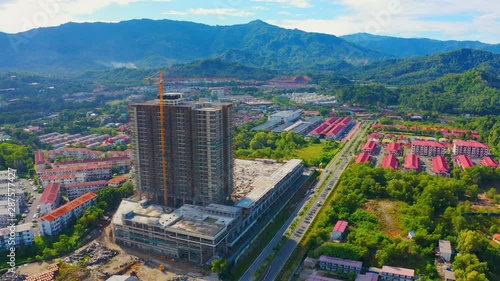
(440, 165)
(390, 162)
(19, 228)
(412, 162)
(427, 143)
(356, 264)
(50, 193)
(86, 184)
(464, 161)
(398, 270)
(363, 157)
(118, 180)
(245, 173)
(340, 226)
(286, 113)
(264, 184)
(369, 145)
(471, 143)
(68, 207)
(393, 147)
(320, 278)
(445, 247)
(488, 161)
(188, 219)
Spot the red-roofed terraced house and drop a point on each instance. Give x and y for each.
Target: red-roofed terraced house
(118, 181)
(471, 148)
(369, 147)
(412, 163)
(339, 230)
(390, 162)
(78, 189)
(54, 222)
(489, 162)
(427, 148)
(51, 197)
(464, 161)
(394, 148)
(39, 160)
(363, 157)
(440, 166)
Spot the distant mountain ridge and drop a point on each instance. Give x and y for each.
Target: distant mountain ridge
(411, 47)
(416, 70)
(148, 43)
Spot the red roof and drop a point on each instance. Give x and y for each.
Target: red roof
(92, 161)
(393, 147)
(464, 161)
(68, 207)
(363, 157)
(59, 177)
(470, 143)
(87, 183)
(369, 146)
(412, 162)
(118, 180)
(340, 226)
(332, 126)
(77, 168)
(50, 193)
(39, 158)
(427, 143)
(440, 165)
(390, 161)
(490, 162)
(496, 236)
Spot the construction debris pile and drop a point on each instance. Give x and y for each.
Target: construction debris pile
(49, 275)
(99, 254)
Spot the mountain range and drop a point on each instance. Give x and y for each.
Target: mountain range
(411, 47)
(73, 48)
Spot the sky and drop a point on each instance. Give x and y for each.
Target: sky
(436, 19)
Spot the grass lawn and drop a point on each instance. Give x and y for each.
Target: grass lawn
(114, 102)
(311, 152)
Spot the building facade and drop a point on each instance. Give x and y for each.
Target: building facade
(470, 148)
(193, 233)
(427, 148)
(23, 236)
(198, 141)
(54, 222)
(51, 198)
(75, 190)
(339, 265)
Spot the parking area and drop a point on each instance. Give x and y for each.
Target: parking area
(30, 210)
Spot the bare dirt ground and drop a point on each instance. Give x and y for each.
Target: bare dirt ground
(144, 265)
(386, 211)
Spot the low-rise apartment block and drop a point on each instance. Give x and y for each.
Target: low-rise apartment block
(339, 265)
(470, 148)
(489, 162)
(51, 197)
(392, 273)
(54, 222)
(23, 236)
(75, 190)
(394, 148)
(412, 163)
(464, 161)
(363, 157)
(370, 147)
(390, 162)
(427, 148)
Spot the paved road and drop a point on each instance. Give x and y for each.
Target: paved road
(32, 209)
(345, 156)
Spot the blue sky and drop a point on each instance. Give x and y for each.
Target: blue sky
(443, 20)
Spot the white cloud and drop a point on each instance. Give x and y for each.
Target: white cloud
(220, 12)
(290, 3)
(175, 13)
(21, 15)
(450, 18)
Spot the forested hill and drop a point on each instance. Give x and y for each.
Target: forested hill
(411, 47)
(418, 70)
(77, 47)
(208, 68)
(473, 92)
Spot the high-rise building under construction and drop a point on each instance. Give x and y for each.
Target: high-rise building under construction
(196, 156)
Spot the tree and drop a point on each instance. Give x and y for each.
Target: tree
(220, 266)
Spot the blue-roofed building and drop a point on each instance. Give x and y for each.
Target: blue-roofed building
(267, 126)
(282, 128)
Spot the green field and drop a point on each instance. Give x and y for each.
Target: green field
(310, 153)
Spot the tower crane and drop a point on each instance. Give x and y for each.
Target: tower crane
(159, 80)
